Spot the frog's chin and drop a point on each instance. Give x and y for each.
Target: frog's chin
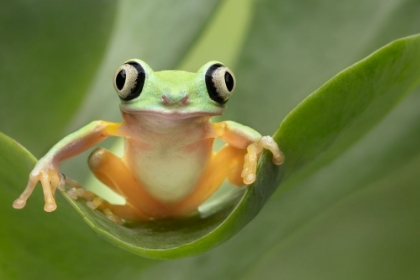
(174, 115)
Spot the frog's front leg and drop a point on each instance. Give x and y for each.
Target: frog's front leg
(47, 171)
(244, 137)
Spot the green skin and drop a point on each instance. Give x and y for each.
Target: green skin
(168, 138)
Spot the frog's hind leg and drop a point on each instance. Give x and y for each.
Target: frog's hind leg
(226, 163)
(112, 171)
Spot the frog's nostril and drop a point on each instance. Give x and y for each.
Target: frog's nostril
(165, 100)
(185, 100)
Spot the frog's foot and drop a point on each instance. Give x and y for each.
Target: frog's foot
(50, 179)
(76, 190)
(93, 201)
(249, 172)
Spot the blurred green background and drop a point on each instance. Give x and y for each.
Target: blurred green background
(356, 218)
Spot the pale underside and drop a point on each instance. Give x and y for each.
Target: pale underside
(167, 158)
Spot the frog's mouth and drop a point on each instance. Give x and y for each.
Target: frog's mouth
(172, 115)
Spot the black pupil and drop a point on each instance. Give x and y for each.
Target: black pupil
(229, 81)
(121, 79)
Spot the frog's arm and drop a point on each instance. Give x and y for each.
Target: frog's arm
(46, 170)
(244, 137)
(81, 140)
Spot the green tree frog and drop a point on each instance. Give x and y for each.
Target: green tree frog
(169, 167)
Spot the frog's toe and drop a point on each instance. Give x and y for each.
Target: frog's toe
(111, 216)
(278, 160)
(249, 179)
(62, 182)
(95, 203)
(50, 206)
(19, 203)
(72, 193)
(250, 167)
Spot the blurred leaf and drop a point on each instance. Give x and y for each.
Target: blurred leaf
(39, 245)
(49, 53)
(229, 25)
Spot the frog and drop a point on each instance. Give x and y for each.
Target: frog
(169, 167)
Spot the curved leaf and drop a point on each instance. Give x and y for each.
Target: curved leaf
(183, 237)
(160, 239)
(343, 109)
(39, 245)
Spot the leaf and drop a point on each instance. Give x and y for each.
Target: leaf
(49, 54)
(40, 245)
(342, 110)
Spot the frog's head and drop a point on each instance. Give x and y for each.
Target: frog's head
(173, 93)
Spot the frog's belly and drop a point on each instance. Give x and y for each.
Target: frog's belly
(168, 173)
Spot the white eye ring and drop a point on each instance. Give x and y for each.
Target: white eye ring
(129, 80)
(220, 82)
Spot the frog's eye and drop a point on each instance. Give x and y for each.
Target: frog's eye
(220, 83)
(129, 80)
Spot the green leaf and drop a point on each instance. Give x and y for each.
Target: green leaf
(183, 237)
(39, 245)
(342, 110)
(49, 53)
